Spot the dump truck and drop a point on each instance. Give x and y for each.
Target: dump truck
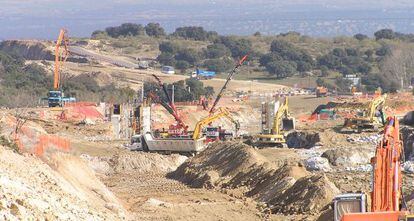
(203, 74)
(184, 145)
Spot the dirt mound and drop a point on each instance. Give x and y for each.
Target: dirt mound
(31, 190)
(308, 194)
(238, 168)
(137, 162)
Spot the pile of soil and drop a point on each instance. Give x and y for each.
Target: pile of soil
(137, 162)
(238, 167)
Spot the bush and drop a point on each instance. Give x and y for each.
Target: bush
(281, 69)
(217, 50)
(384, 34)
(126, 29)
(154, 30)
(218, 65)
(192, 32)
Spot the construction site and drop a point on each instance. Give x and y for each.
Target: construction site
(250, 151)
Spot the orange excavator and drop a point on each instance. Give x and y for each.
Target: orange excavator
(387, 201)
(56, 97)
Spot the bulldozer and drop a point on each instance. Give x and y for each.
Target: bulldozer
(282, 122)
(371, 119)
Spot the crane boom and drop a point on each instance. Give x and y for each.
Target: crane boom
(229, 77)
(60, 57)
(170, 107)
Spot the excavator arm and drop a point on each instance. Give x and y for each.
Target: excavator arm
(60, 57)
(373, 106)
(282, 112)
(209, 119)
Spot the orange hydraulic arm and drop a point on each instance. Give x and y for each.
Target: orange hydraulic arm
(60, 57)
(386, 195)
(387, 180)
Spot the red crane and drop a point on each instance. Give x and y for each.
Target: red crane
(180, 128)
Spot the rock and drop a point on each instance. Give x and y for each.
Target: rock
(305, 140)
(408, 167)
(349, 157)
(317, 164)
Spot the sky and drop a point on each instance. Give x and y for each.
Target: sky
(29, 19)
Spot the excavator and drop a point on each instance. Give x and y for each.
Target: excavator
(387, 201)
(56, 97)
(222, 112)
(180, 128)
(369, 119)
(281, 122)
(217, 133)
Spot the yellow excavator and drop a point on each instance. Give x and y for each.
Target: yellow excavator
(371, 118)
(222, 112)
(281, 122)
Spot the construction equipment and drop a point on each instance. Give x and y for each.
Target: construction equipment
(321, 91)
(56, 96)
(222, 112)
(281, 122)
(229, 77)
(180, 129)
(386, 197)
(372, 117)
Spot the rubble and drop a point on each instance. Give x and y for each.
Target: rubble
(349, 157)
(317, 164)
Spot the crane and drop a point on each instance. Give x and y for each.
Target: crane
(229, 77)
(276, 137)
(386, 195)
(56, 96)
(369, 119)
(221, 113)
(181, 128)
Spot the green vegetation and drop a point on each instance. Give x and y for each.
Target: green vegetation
(188, 90)
(23, 85)
(383, 61)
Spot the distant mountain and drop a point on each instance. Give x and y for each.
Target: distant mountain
(42, 19)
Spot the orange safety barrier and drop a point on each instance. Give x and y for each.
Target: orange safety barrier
(80, 104)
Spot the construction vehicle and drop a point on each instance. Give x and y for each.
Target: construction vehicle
(281, 122)
(180, 128)
(370, 119)
(213, 133)
(321, 91)
(218, 133)
(56, 97)
(386, 197)
(202, 74)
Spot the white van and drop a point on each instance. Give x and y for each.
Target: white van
(167, 70)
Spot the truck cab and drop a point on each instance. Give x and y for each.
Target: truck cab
(55, 99)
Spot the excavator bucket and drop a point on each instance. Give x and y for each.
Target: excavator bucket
(288, 124)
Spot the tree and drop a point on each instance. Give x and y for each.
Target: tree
(324, 71)
(188, 54)
(257, 34)
(281, 46)
(126, 29)
(281, 69)
(196, 87)
(168, 47)
(303, 66)
(154, 30)
(238, 47)
(360, 37)
(209, 91)
(217, 50)
(192, 32)
(166, 59)
(343, 84)
(218, 65)
(182, 65)
(384, 34)
(320, 82)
